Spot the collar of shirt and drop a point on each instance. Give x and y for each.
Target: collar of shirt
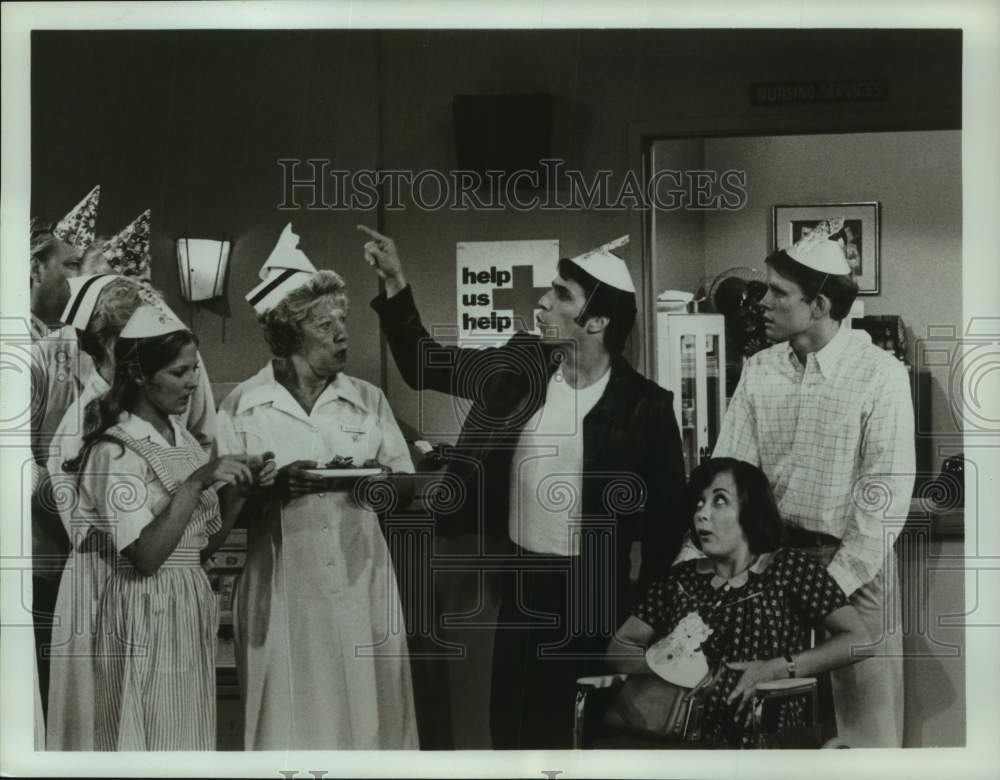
(265, 389)
(138, 428)
(595, 388)
(97, 384)
(704, 566)
(828, 357)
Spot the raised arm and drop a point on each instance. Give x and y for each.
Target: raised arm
(424, 363)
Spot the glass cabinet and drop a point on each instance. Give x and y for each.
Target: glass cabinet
(691, 363)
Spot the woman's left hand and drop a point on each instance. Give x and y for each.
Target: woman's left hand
(754, 673)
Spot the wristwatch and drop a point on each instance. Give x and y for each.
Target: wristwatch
(790, 665)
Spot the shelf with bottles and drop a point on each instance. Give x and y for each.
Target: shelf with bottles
(690, 362)
(223, 569)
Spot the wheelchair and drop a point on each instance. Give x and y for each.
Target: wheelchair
(595, 694)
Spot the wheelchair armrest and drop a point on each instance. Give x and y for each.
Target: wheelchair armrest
(601, 687)
(600, 681)
(793, 686)
(782, 689)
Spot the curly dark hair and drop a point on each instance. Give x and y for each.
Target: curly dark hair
(759, 517)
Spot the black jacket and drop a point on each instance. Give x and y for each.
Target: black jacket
(633, 467)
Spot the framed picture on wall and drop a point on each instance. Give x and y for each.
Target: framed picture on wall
(860, 235)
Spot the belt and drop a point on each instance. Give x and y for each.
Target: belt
(180, 557)
(799, 537)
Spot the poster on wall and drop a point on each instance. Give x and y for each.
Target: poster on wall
(498, 284)
(859, 235)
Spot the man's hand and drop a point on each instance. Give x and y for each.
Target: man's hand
(381, 254)
(293, 480)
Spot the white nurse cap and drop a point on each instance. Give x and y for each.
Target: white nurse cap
(287, 268)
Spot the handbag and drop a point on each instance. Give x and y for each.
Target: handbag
(649, 705)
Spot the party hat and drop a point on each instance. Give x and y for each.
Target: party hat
(128, 252)
(821, 253)
(607, 267)
(78, 226)
(148, 321)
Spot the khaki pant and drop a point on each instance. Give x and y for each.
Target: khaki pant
(868, 695)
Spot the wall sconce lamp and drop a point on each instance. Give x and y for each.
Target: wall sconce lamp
(201, 266)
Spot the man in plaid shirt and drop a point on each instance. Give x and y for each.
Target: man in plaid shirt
(828, 416)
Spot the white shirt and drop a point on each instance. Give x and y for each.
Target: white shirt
(547, 468)
(351, 417)
(835, 439)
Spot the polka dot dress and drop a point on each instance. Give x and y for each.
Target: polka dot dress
(762, 615)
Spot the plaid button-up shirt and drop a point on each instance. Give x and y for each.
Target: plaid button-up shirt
(835, 438)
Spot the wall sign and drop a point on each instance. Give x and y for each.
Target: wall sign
(498, 285)
(789, 93)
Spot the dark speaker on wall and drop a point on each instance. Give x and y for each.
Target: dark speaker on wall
(502, 132)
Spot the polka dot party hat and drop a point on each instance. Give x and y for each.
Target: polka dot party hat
(128, 252)
(78, 226)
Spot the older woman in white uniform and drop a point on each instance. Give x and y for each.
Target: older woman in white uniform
(321, 645)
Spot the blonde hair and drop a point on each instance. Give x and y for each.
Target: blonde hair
(113, 308)
(282, 325)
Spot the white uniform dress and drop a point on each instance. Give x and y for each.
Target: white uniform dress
(155, 664)
(321, 644)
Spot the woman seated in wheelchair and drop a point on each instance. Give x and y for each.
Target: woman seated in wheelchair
(740, 616)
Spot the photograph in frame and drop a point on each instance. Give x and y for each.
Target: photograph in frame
(859, 235)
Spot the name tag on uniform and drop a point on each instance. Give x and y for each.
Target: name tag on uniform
(352, 428)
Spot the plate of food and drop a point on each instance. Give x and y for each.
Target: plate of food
(342, 467)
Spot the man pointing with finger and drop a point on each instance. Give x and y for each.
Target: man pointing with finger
(566, 457)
